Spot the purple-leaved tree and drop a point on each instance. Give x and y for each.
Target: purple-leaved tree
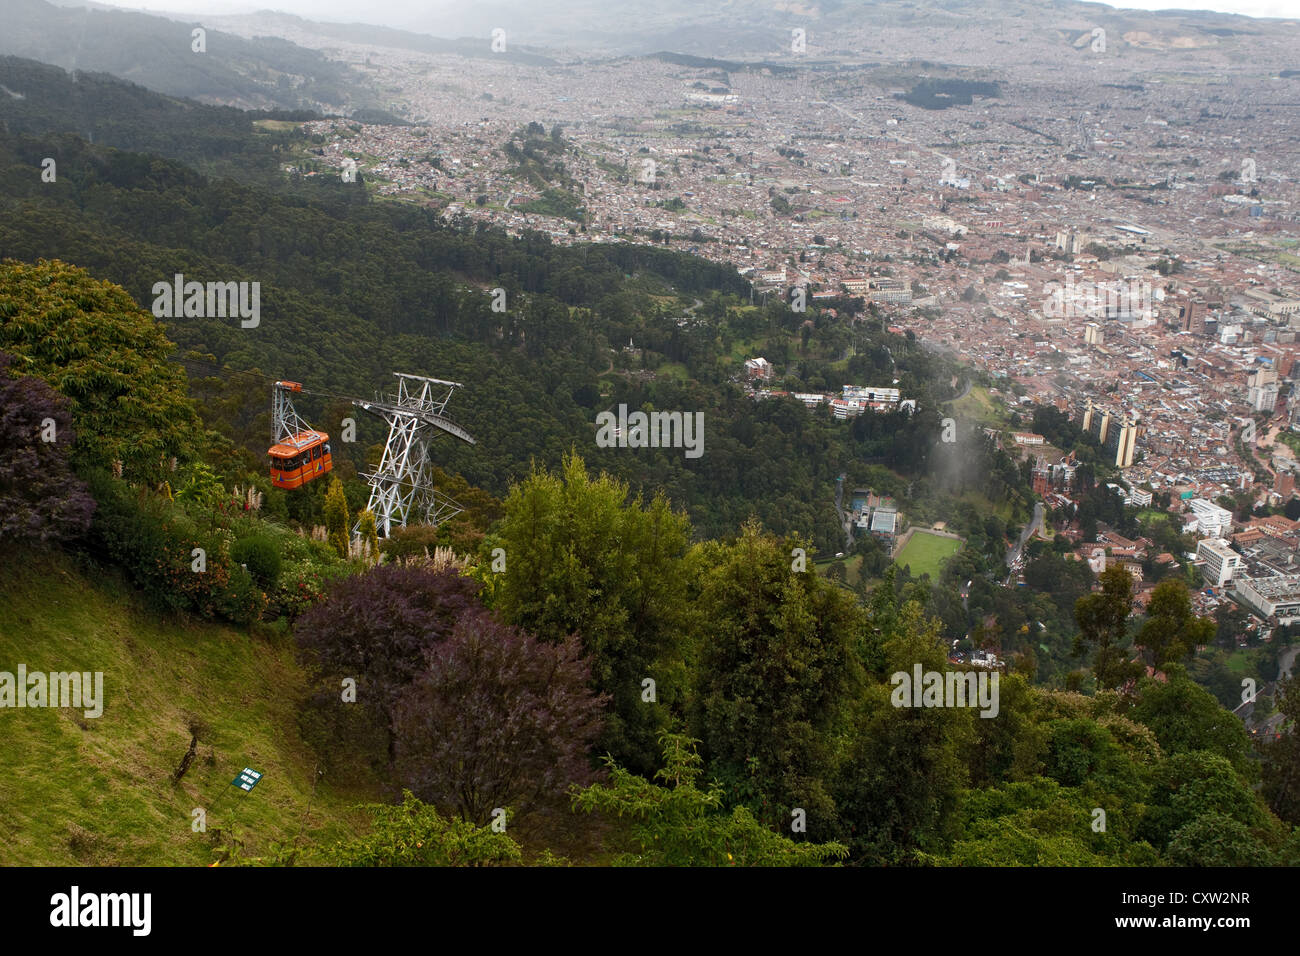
(497, 718)
(41, 498)
(376, 628)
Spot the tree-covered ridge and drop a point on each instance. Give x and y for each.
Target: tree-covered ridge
(104, 110)
(159, 53)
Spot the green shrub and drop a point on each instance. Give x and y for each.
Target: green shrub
(155, 541)
(261, 555)
(413, 540)
(238, 598)
(300, 585)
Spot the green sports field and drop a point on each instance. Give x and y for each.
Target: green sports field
(925, 553)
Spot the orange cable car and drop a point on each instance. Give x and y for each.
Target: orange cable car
(299, 454)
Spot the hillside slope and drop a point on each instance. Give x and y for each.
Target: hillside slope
(158, 53)
(79, 791)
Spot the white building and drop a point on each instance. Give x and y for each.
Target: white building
(1211, 520)
(1221, 562)
(1277, 596)
(850, 408)
(866, 393)
(1263, 398)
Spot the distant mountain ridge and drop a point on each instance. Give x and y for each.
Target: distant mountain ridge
(382, 36)
(760, 28)
(156, 52)
(1011, 34)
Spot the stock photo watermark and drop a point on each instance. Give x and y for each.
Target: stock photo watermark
(924, 688)
(79, 690)
(1071, 299)
(77, 909)
(213, 300)
(651, 430)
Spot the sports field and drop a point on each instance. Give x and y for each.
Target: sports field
(925, 553)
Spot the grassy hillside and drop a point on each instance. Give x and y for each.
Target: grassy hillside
(98, 791)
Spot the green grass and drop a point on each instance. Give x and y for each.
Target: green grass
(852, 568)
(278, 126)
(1240, 663)
(926, 553)
(559, 203)
(979, 406)
(743, 349)
(1290, 439)
(985, 505)
(98, 792)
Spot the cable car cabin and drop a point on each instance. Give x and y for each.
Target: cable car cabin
(300, 458)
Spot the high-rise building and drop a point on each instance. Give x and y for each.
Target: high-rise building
(1100, 425)
(1263, 398)
(1221, 562)
(1116, 433)
(1191, 316)
(1262, 376)
(1121, 441)
(1068, 242)
(1042, 477)
(1095, 421)
(1263, 389)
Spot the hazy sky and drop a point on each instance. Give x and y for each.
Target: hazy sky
(401, 12)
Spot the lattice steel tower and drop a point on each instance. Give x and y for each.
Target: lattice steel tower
(401, 488)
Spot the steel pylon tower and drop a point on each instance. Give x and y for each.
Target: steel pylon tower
(285, 422)
(401, 488)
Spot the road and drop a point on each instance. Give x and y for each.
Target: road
(1286, 660)
(843, 517)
